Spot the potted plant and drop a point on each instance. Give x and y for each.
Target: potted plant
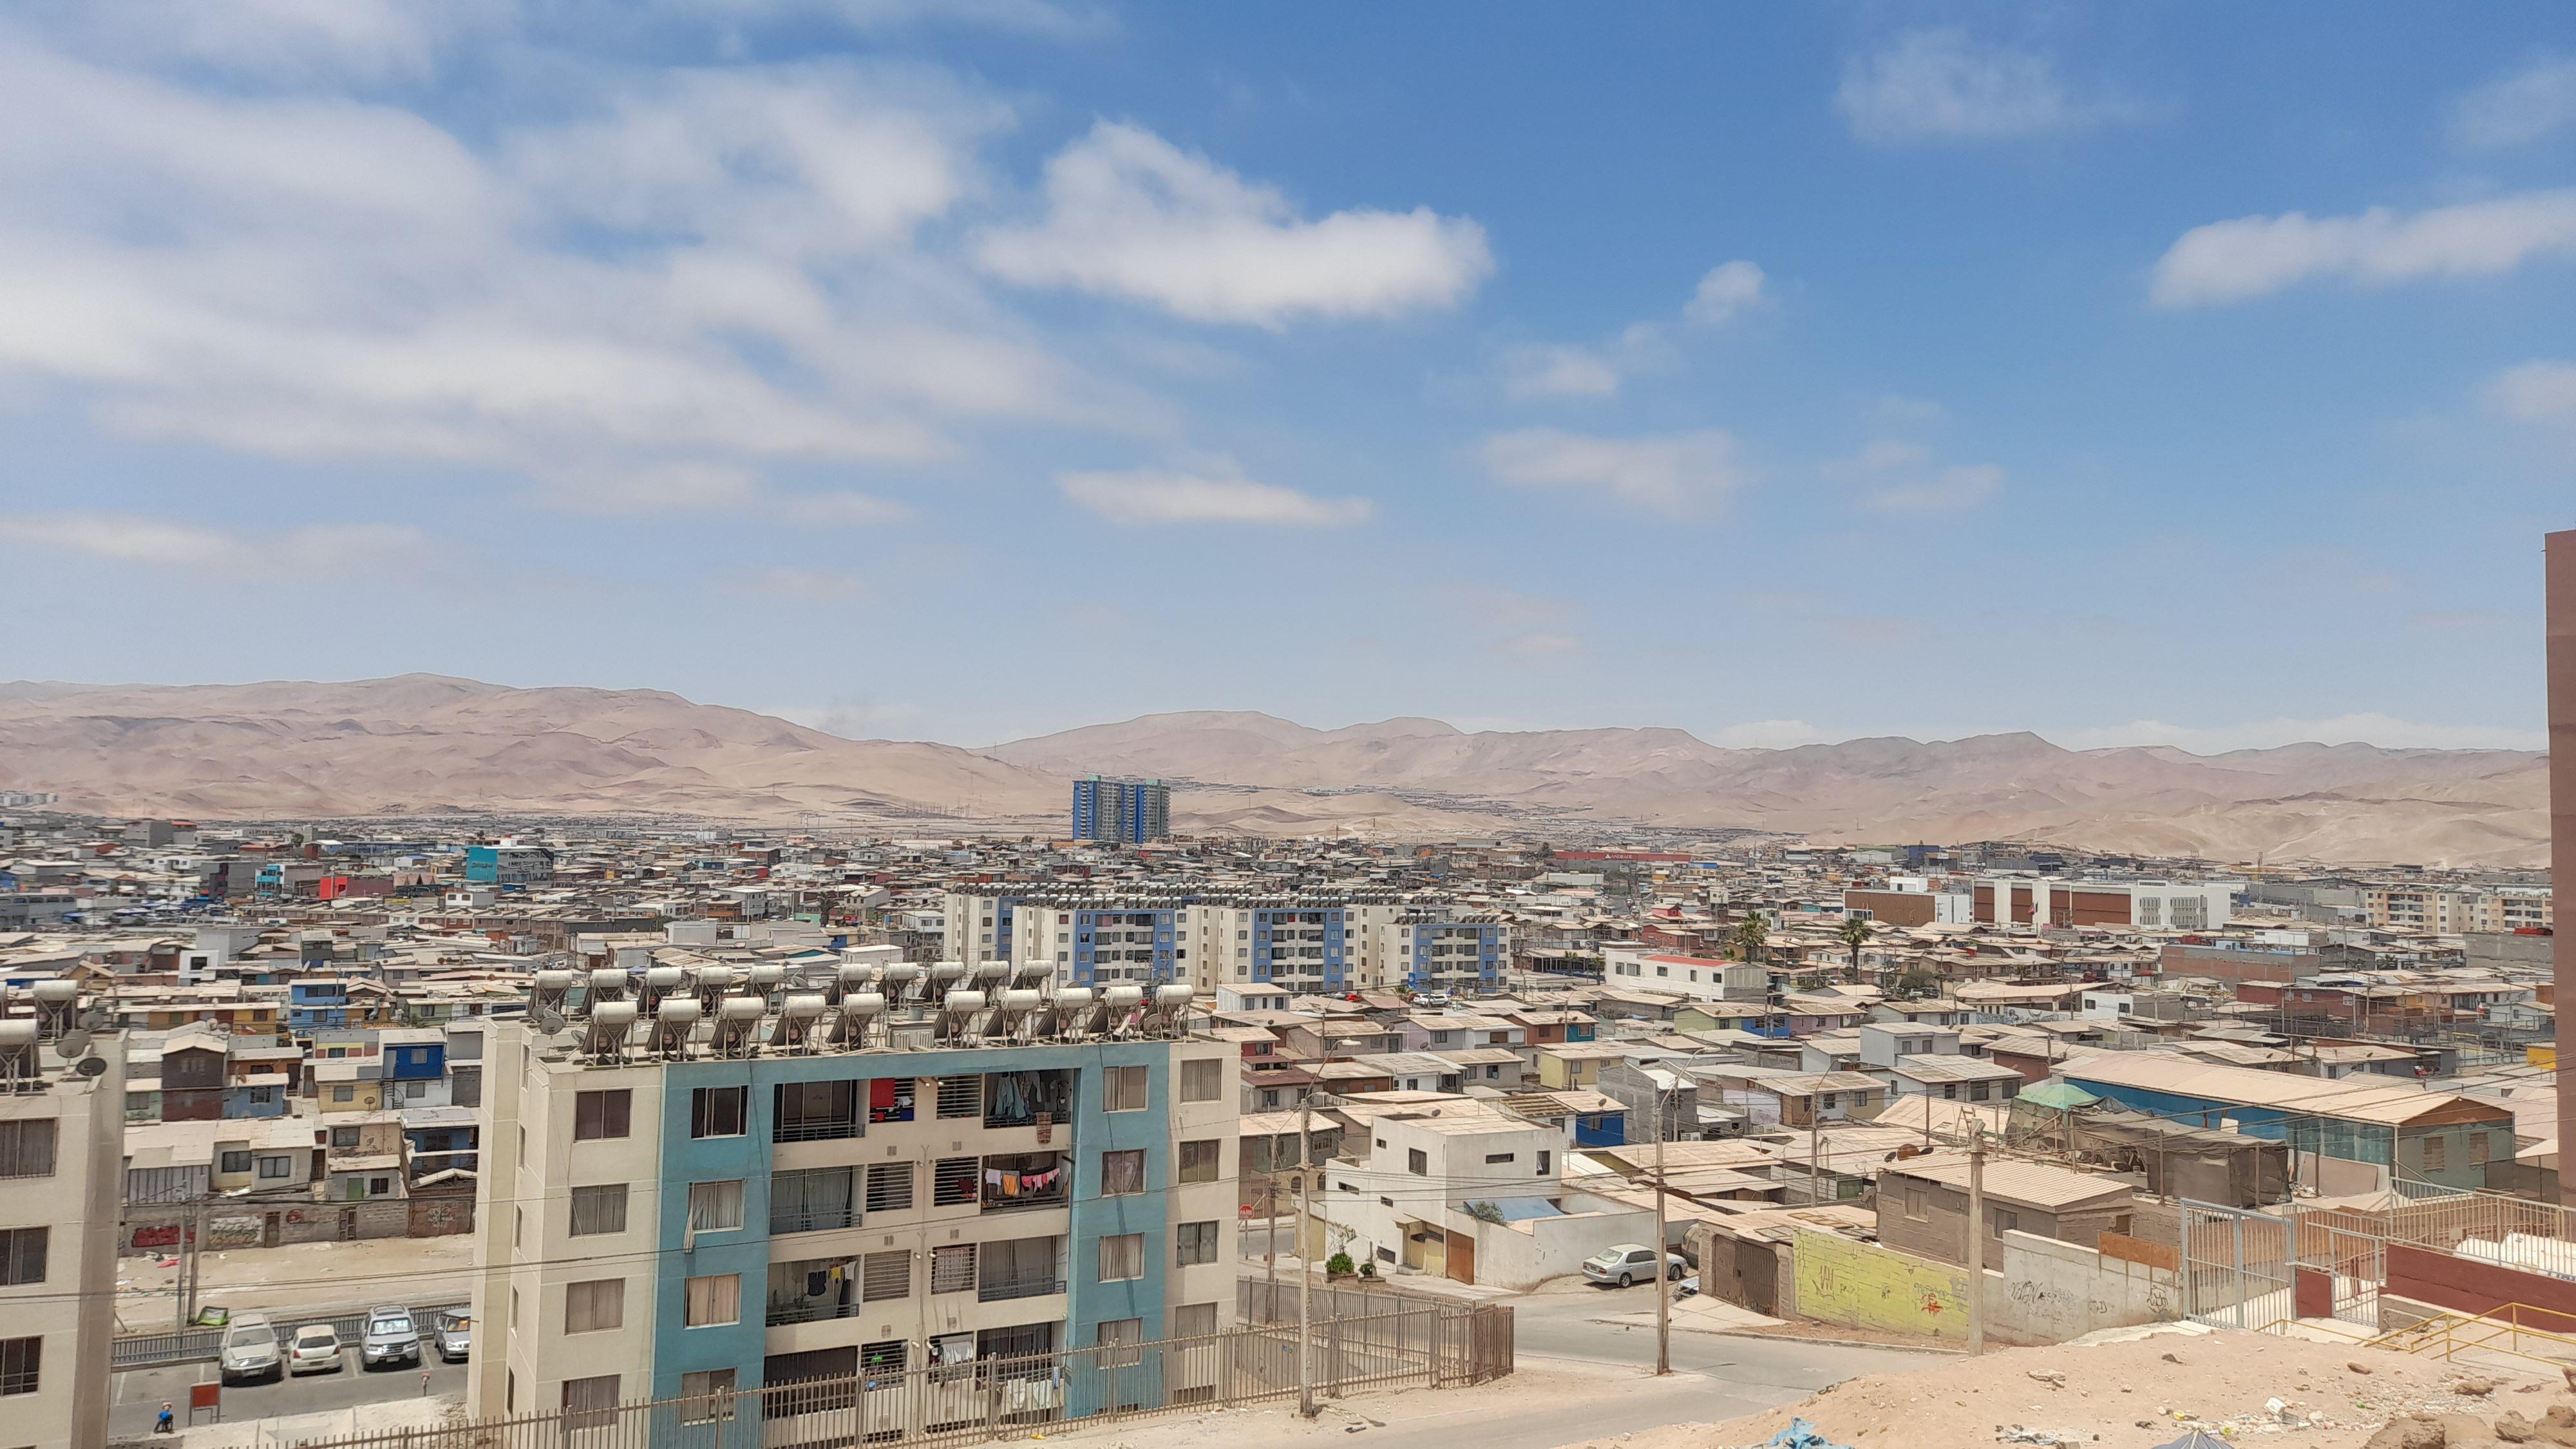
(1338, 1266)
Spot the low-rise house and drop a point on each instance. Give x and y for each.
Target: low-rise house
(1923, 1206)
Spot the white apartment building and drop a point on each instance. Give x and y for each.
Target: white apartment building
(2436, 911)
(61, 1182)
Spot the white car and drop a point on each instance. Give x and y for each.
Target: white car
(316, 1350)
(1629, 1262)
(250, 1350)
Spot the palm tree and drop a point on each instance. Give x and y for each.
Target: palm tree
(1855, 933)
(1752, 934)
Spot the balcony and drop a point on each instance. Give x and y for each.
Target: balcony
(1026, 1181)
(823, 1129)
(809, 1310)
(1017, 1288)
(823, 1221)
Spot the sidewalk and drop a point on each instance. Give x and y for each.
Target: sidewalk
(1422, 1284)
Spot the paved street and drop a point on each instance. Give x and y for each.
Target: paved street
(139, 1392)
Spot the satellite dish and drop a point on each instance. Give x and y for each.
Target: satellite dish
(547, 1020)
(72, 1045)
(94, 1019)
(91, 1067)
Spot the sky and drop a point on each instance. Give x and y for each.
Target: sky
(967, 370)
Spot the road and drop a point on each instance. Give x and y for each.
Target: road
(139, 1392)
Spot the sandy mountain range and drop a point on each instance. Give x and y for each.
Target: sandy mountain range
(421, 743)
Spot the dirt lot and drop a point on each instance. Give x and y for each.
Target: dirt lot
(301, 1277)
(2143, 1392)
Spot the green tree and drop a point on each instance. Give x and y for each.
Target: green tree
(1752, 936)
(1917, 982)
(1856, 933)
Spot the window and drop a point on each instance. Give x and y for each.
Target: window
(717, 1111)
(1494, 1157)
(961, 1096)
(1199, 1161)
(1126, 1089)
(1202, 1080)
(889, 1187)
(815, 1200)
(1194, 1320)
(595, 1306)
(276, 1169)
(890, 1099)
(590, 1403)
(2437, 1154)
(344, 1137)
(344, 1094)
(1122, 1173)
(885, 1276)
(1122, 1256)
(706, 1396)
(2000, 1221)
(815, 1111)
(716, 1207)
(235, 1163)
(952, 1268)
(1918, 1202)
(598, 1210)
(2478, 1149)
(1417, 1162)
(1194, 1243)
(952, 1181)
(20, 1360)
(600, 1114)
(1121, 1342)
(22, 1255)
(1543, 1157)
(714, 1300)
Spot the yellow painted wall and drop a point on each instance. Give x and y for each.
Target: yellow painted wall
(1861, 1285)
(2543, 1057)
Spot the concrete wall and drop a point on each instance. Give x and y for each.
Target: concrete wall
(2050, 1292)
(1860, 1285)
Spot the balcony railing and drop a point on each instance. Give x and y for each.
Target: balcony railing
(1018, 1288)
(1053, 1197)
(815, 1130)
(821, 1221)
(810, 1311)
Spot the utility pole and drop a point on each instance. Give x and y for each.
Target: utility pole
(1270, 1214)
(1663, 1272)
(1977, 1239)
(1305, 1269)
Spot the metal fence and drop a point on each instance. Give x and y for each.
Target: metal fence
(1374, 1340)
(197, 1345)
(2236, 1266)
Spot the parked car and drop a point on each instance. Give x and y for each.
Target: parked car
(455, 1337)
(250, 1350)
(316, 1350)
(391, 1337)
(1628, 1262)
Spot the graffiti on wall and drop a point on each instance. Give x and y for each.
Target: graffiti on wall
(1864, 1286)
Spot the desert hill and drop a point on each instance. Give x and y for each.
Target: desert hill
(422, 743)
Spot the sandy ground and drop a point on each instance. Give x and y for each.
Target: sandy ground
(2128, 1395)
(301, 1278)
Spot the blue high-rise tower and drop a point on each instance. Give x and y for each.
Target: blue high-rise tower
(1133, 811)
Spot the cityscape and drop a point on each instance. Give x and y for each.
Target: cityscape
(789, 724)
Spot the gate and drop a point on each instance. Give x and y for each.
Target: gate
(2358, 1263)
(2236, 1266)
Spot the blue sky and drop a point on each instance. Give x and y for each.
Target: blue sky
(961, 371)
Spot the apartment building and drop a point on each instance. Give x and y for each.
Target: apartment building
(62, 1090)
(1093, 939)
(1300, 942)
(2140, 905)
(1431, 949)
(977, 924)
(1131, 811)
(2435, 911)
(715, 1190)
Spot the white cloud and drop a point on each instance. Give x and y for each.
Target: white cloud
(2252, 256)
(1541, 643)
(335, 549)
(1675, 474)
(1217, 494)
(2383, 730)
(1561, 369)
(639, 306)
(1938, 85)
(1131, 215)
(2522, 107)
(1898, 477)
(1557, 370)
(1768, 734)
(1951, 490)
(1728, 291)
(841, 508)
(2535, 391)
